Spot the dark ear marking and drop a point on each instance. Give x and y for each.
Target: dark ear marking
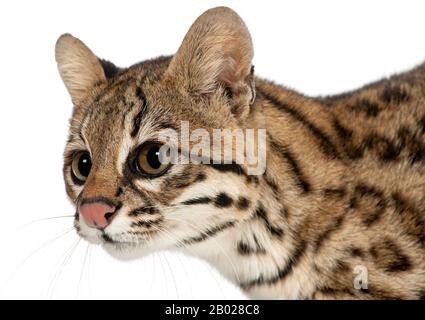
(110, 69)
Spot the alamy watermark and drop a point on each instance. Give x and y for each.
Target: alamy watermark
(218, 146)
(361, 279)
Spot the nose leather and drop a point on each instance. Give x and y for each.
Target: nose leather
(97, 215)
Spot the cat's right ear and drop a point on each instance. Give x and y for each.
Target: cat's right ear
(78, 66)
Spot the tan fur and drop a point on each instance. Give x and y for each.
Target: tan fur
(78, 66)
(343, 187)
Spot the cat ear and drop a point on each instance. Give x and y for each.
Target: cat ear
(216, 52)
(79, 68)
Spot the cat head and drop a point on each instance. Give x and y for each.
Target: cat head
(126, 197)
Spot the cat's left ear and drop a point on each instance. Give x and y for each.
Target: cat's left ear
(217, 53)
(78, 66)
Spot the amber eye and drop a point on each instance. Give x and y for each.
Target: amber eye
(149, 159)
(81, 165)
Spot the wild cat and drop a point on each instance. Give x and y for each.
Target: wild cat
(337, 213)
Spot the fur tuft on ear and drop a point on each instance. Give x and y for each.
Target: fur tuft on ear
(216, 52)
(79, 68)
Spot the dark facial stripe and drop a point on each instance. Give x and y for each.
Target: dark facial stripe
(143, 210)
(293, 164)
(195, 201)
(261, 213)
(324, 140)
(282, 272)
(232, 167)
(147, 223)
(138, 118)
(208, 233)
(228, 168)
(221, 200)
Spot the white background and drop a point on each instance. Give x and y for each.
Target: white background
(316, 47)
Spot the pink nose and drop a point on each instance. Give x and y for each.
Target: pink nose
(97, 215)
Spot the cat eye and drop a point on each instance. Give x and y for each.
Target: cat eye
(81, 165)
(149, 159)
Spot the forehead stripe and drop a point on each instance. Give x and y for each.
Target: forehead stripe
(138, 118)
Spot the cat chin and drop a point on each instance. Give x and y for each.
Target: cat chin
(127, 251)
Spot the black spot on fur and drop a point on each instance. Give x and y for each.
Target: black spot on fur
(245, 249)
(200, 177)
(383, 147)
(356, 252)
(390, 257)
(338, 193)
(375, 199)
(394, 94)
(242, 203)
(368, 108)
(223, 200)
